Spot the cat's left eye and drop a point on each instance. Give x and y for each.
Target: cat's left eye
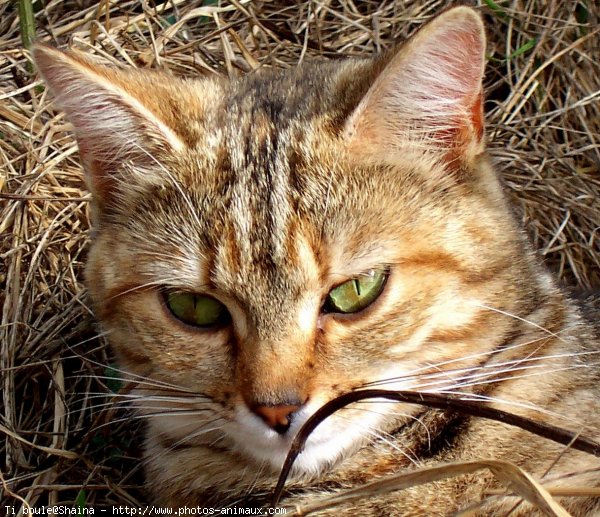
(197, 310)
(356, 294)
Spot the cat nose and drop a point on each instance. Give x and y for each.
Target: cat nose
(278, 418)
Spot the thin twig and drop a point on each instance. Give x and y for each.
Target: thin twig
(433, 400)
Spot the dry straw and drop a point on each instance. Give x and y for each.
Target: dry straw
(65, 437)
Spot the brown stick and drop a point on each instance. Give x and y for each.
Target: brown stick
(433, 400)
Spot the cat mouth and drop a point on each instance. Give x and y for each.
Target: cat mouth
(330, 442)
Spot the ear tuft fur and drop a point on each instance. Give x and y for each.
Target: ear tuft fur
(111, 111)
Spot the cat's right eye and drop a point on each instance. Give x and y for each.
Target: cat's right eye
(357, 293)
(198, 310)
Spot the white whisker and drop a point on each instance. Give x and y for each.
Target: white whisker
(492, 370)
(379, 436)
(429, 366)
(534, 374)
(473, 397)
(533, 324)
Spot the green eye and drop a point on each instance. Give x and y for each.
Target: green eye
(197, 309)
(356, 294)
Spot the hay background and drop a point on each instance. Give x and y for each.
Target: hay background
(58, 440)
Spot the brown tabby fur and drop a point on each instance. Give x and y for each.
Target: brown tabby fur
(269, 190)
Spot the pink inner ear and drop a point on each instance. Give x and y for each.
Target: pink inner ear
(430, 93)
(455, 53)
(466, 69)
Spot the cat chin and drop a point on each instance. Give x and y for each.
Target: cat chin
(331, 442)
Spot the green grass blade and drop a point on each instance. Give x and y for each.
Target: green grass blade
(526, 47)
(80, 502)
(26, 23)
(495, 8)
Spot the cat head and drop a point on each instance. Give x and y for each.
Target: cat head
(267, 243)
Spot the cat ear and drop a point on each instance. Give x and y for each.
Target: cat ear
(117, 115)
(429, 95)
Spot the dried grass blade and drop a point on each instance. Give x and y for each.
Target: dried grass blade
(509, 474)
(56, 452)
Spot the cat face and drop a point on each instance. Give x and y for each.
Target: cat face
(258, 199)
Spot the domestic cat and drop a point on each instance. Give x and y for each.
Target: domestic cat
(267, 243)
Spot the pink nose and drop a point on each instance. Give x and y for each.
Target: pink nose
(277, 418)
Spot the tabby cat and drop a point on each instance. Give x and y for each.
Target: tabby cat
(266, 243)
